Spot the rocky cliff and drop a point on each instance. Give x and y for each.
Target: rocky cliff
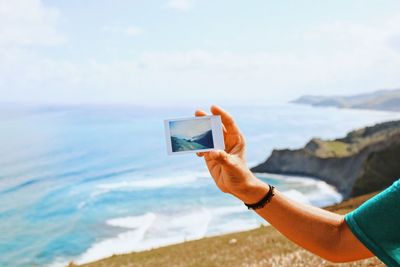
(365, 160)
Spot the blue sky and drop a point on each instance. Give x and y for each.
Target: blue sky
(196, 52)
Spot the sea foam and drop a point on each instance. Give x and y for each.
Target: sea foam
(149, 231)
(123, 242)
(152, 230)
(153, 183)
(320, 195)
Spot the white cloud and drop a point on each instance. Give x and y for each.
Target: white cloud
(195, 76)
(133, 31)
(336, 58)
(357, 53)
(28, 22)
(180, 4)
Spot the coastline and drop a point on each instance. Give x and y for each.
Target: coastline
(352, 163)
(132, 229)
(263, 246)
(107, 188)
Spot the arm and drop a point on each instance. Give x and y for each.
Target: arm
(322, 232)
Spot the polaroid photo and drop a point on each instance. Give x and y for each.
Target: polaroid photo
(196, 134)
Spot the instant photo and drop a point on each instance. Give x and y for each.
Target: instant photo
(197, 134)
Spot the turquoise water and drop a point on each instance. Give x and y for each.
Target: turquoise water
(82, 183)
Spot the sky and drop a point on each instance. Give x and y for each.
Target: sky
(189, 128)
(184, 52)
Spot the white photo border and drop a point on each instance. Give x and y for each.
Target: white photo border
(216, 129)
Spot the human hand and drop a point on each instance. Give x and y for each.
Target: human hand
(228, 167)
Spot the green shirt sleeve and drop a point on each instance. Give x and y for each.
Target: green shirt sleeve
(376, 224)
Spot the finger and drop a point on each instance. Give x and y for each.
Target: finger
(200, 113)
(226, 118)
(217, 155)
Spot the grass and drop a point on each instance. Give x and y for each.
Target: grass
(354, 144)
(336, 148)
(259, 247)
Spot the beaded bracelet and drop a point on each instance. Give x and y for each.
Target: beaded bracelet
(266, 199)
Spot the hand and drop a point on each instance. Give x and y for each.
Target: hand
(229, 168)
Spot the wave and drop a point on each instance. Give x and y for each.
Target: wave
(144, 183)
(149, 230)
(287, 178)
(67, 174)
(18, 187)
(321, 196)
(309, 190)
(153, 183)
(110, 174)
(124, 242)
(132, 222)
(325, 195)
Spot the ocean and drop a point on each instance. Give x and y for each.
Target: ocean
(80, 183)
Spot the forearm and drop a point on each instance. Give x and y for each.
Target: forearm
(317, 230)
(323, 233)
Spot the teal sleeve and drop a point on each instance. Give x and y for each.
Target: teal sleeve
(376, 224)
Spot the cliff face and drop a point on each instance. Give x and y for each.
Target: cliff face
(380, 169)
(205, 139)
(364, 161)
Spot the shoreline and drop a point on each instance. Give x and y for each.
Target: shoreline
(295, 187)
(263, 246)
